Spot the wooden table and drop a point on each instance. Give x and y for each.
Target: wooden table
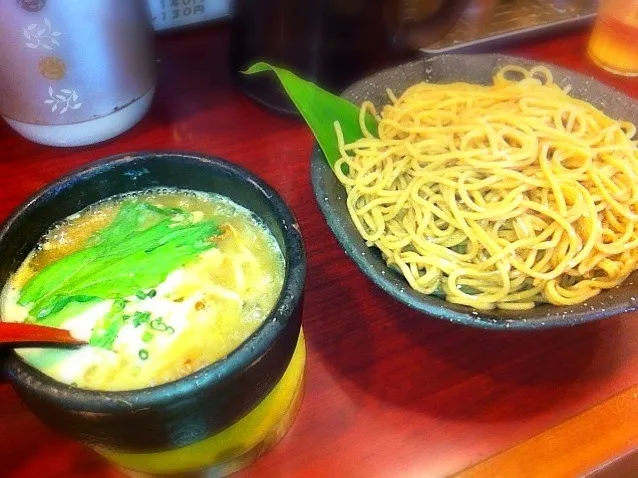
(390, 393)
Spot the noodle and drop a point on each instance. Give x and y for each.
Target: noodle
(501, 196)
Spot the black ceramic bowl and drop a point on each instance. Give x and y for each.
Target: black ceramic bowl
(331, 196)
(194, 408)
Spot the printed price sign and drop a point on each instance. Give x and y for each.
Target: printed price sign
(175, 13)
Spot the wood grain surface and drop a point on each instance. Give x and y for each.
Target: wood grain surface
(601, 442)
(390, 393)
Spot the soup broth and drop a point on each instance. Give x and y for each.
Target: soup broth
(161, 283)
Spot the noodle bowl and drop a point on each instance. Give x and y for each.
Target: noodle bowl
(501, 196)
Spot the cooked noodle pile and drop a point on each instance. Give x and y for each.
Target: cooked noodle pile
(500, 196)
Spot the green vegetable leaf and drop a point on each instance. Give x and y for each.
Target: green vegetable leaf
(70, 309)
(320, 109)
(129, 217)
(128, 256)
(54, 275)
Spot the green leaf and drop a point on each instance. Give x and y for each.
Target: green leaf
(320, 109)
(72, 308)
(145, 265)
(126, 223)
(128, 256)
(128, 219)
(55, 274)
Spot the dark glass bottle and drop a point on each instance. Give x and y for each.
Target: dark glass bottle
(330, 42)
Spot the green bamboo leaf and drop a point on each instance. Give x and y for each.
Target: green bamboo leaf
(320, 109)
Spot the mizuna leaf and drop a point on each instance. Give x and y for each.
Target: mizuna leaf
(127, 256)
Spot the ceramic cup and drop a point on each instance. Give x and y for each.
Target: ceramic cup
(75, 73)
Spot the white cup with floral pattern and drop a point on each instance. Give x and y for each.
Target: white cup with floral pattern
(75, 72)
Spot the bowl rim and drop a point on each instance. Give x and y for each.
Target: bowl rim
(216, 374)
(560, 316)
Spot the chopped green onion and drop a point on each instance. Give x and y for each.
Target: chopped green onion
(143, 354)
(107, 329)
(159, 325)
(140, 318)
(146, 295)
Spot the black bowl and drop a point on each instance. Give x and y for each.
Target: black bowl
(331, 195)
(192, 408)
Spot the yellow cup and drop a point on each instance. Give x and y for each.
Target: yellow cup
(233, 448)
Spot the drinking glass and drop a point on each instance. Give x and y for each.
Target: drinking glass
(613, 44)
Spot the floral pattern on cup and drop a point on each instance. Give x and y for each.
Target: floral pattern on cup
(52, 68)
(44, 37)
(63, 101)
